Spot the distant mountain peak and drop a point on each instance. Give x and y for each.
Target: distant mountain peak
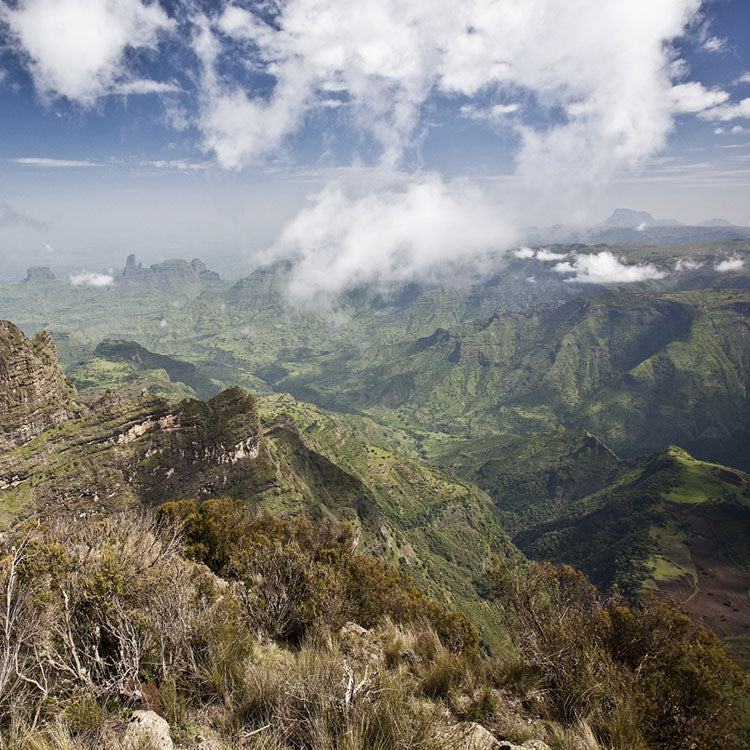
(716, 222)
(627, 218)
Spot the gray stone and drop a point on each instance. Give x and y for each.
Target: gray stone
(146, 730)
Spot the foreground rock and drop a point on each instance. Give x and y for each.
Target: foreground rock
(147, 729)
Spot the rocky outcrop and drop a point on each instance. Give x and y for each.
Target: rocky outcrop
(472, 736)
(169, 275)
(146, 729)
(34, 392)
(40, 274)
(54, 451)
(147, 450)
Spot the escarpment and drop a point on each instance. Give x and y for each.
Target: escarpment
(34, 392)
(55, 450)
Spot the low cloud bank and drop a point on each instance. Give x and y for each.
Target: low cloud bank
(730, 264)
(425, 230)
(91, 278)
(607, 268)
(548, 255)
(686, 264)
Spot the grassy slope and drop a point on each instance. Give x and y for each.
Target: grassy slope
(642, 371)
(436, 527)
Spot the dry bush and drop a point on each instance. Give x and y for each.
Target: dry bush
(634, 675)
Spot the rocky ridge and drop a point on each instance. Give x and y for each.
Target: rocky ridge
(54, 450)
(34, 392)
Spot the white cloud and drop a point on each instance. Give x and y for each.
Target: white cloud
(76, 48)
(715, 44)
(695, 97)
(49, 248)
(606, 268)
(730, 264)
(642, 227)
(548, 255)
(35, 161)
(422, 230)
(145, 86)
(744, 78)
(726, 112)
(494, 114)
(687, 264)
(606, 65)
(91, 278)
(524, 252)
(179, 164)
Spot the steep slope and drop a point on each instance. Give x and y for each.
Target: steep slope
(436, 527)
(640, 370)
(34, 393)
(666, 521)
(120, 453)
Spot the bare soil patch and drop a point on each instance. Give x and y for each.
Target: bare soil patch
(718, 597)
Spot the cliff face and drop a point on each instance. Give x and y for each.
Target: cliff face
(53, 450)
(34, 392)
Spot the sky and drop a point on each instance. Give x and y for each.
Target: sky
(372, 140)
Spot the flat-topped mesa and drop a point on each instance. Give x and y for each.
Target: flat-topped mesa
(34, 392)
(39, 274)
(170, 274)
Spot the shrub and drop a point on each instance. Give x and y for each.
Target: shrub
(633, 673)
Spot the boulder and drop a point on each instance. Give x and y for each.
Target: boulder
(472, 736)
(146, 729)
(352, 628)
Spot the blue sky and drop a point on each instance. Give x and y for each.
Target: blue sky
(178, 127)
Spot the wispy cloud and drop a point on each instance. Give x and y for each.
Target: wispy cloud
(178, 164)
(716, 44)
(145, 86)
(9, 216)
(37, 161)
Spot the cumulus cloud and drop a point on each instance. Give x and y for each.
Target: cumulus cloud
(605, 66)
(688, 264)
(76, 48)
(695, 97)
(730, 264)
(390, 235)
(91, 278)
(607, 268)
(524, 252)
(548, 255)
(726, 112)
